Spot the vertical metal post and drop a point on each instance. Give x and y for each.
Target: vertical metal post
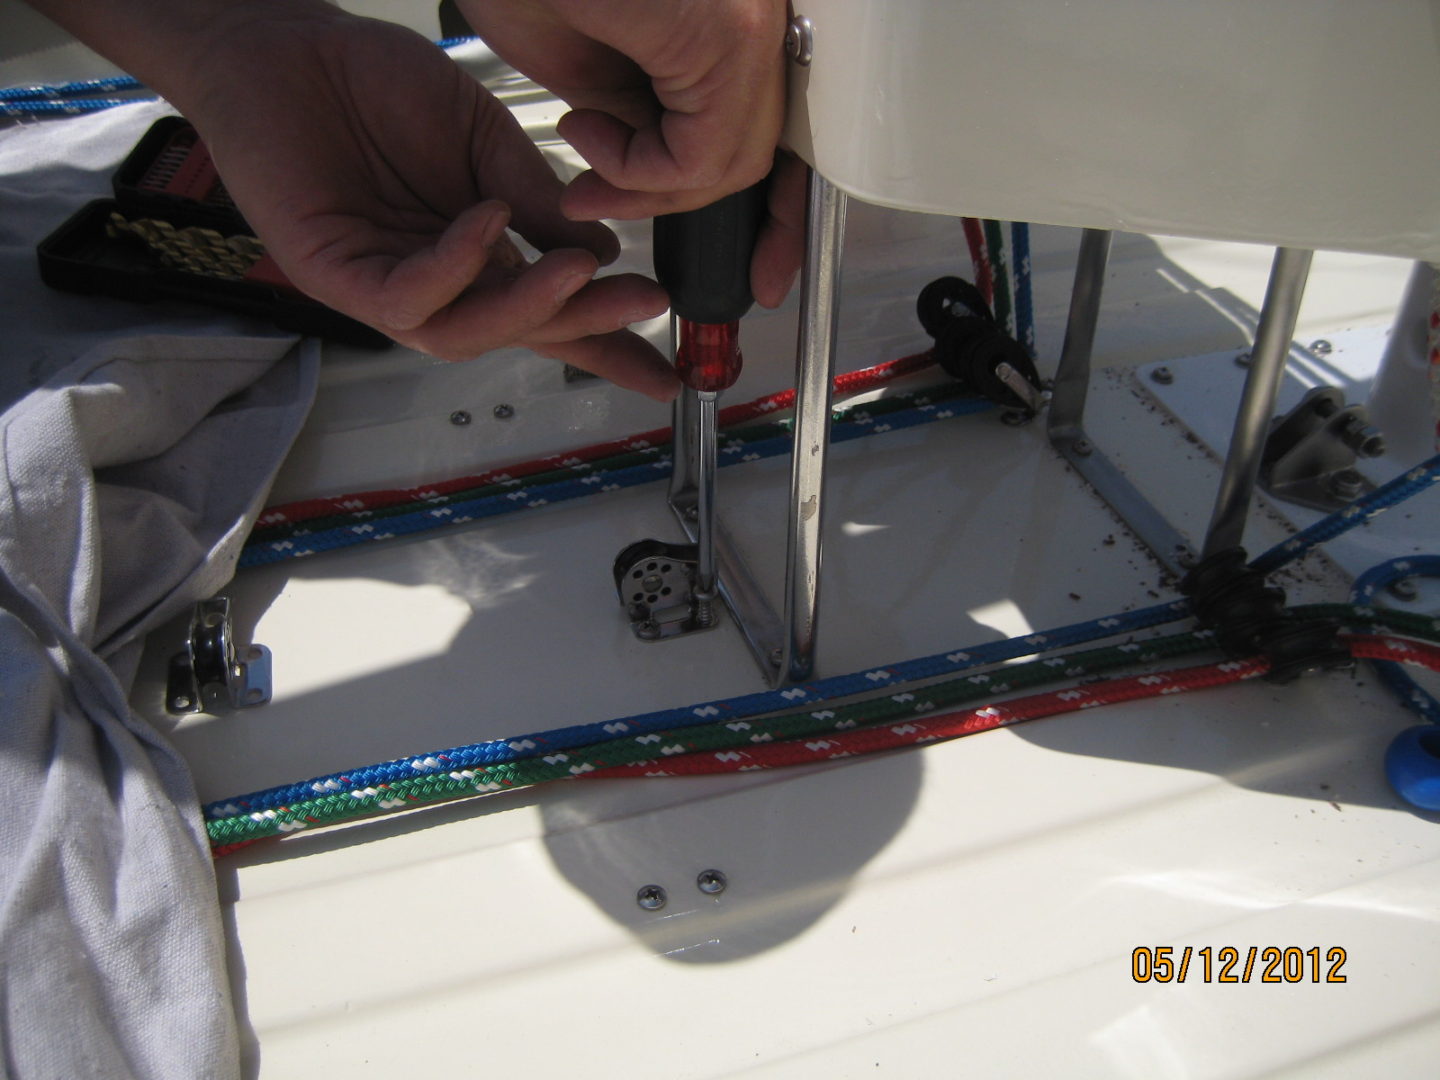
(1072, 377)
(815, 366)
(1286, 287)
(1066, 425)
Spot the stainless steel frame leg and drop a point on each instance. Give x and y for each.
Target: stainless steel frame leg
(1065, 425)
(1267, 367)
(815, 368)
(737, 587)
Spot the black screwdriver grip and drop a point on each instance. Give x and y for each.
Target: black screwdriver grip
(702, 257)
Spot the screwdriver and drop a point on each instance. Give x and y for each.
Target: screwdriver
(702, 259)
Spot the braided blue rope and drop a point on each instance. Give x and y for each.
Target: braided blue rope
(21, 102)
(1024, 304)
(70, 89)
(1393, 675)
(68, 107)
(543, 742)
(1407, 484)
(856, 424)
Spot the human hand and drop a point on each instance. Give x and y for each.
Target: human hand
(382, 179)
(676, 104)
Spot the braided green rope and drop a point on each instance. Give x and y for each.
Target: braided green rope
(720, 736)
(995, 241)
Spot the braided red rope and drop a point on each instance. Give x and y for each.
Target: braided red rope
(924, 729)
(853, 382)
(980, 258)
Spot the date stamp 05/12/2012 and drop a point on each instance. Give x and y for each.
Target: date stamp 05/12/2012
(1229, 964)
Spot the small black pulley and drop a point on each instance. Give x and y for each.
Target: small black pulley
(972, 347)
(656, 584)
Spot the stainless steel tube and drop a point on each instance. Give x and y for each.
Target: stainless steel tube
(1257, 405)
(815, 366)
(1072, 377)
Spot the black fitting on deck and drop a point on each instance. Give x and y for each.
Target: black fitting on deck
(1248, 617)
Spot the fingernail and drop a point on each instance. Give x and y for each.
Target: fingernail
(570, 286)
(644, 314)
(495, 229)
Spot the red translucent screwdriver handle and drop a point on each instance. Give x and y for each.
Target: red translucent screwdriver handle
(707, 358)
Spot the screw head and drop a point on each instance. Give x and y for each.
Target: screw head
(1083, 447)
(651, 897)
(1242, 359)
(1404, 588)
(459, 417)
(711, 882)
(1162, 375)
(800, 40)
(1321, 347)
(504, 412)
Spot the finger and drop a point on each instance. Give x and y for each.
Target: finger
(780, 248)
(591, 196)
(403, 293)
(501, 309)
(681, 152)
(622, 357)
(606, 304)
(513, 167)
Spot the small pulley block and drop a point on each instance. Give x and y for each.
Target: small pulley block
(212, 674)
(972, 347)
(656, 585)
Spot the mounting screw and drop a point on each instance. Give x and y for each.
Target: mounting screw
(1346, 484)
(1242, 359)
(1162, 375)
(711, 882)
(1321, 347)
(647, 630)
(504, 412)
(1404, 589)
(1016, 417)
(800, 40)
(1082, 447)
(651, 897)
(459, 417)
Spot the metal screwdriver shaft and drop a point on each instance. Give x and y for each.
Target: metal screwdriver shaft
(702, 257)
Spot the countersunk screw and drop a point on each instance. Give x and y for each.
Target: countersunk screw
(1404, 589)
(1321, 347)
(1242, 359)
(459, 417)
(711, 882)
(1163, 375)
(800, 40)
(504, 412)
(651, 897)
